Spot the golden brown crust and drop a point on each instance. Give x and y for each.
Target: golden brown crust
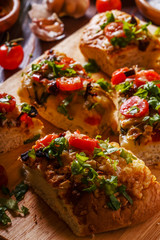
(95, 45)
(90, 212)
(77, 109)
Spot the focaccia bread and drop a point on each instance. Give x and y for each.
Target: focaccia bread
(93, 185)
(66, 96)
(17, 127)
(116, 39)
(139, 112)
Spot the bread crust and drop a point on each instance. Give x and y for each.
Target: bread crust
(85, 212)
(14, 137)
(77, 108)
(94, 45)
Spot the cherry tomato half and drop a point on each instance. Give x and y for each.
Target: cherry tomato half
(3, 177)
(144, 76)
(118, 76)
(44, 142)
(27, 119)
(7, 103)
(134, 107)
(11, 56)
(114, 29)
(69, 84)
(83, 142)
(107, 5)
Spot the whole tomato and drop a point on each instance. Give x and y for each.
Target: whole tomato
(11, 55)
(107, 5)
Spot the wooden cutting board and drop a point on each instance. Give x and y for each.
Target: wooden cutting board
(42, 223)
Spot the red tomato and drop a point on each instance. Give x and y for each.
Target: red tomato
(3, 176)
(144, 76)
(44, 142)
(107, 5)
(114, 29)
(118, 76)
(95, 120)
(7, 102)
(66, 61)
(83, 142)
(69, 84)
(135, 103)
(11, 55)
(27, 119)
(36, 77)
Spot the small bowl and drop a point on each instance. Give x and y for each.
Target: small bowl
(9, 12)
(148, 11)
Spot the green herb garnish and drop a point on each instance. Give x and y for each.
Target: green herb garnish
(122, 190)
(91, 66)
(106, 86)
(32, 154)
(11, 204)
(152, 120)
(124, 87)
(56, 148)
(114, 204)
(127, 155)
(20, 190)
(62, 108)
(133, 110)
(33, 139)
(110, 18)
(25, 107)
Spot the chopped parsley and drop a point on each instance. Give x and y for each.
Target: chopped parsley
(114, 204)
(151, 93)
(33, 139)
(91, 66)
(32, 153)
(62, 108)
(91, 179)
(152, 120)
(25, 107)
(127, 155)
(55, 148)
(133, 110)
(57, 69)
(124, 87)
(106, 86)
(11, 204)
(110, 18)
(79, 165)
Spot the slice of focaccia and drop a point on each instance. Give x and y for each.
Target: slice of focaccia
(116, 39)
(93, 185)
(67, 97)
(139, 112)
(17, 127)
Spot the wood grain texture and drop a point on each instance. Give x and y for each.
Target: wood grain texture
(42, 223)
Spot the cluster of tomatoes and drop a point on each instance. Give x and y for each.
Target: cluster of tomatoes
(140, 78)
(76, 140)
(8, 104)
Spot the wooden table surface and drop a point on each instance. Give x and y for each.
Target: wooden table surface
(32, 45)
